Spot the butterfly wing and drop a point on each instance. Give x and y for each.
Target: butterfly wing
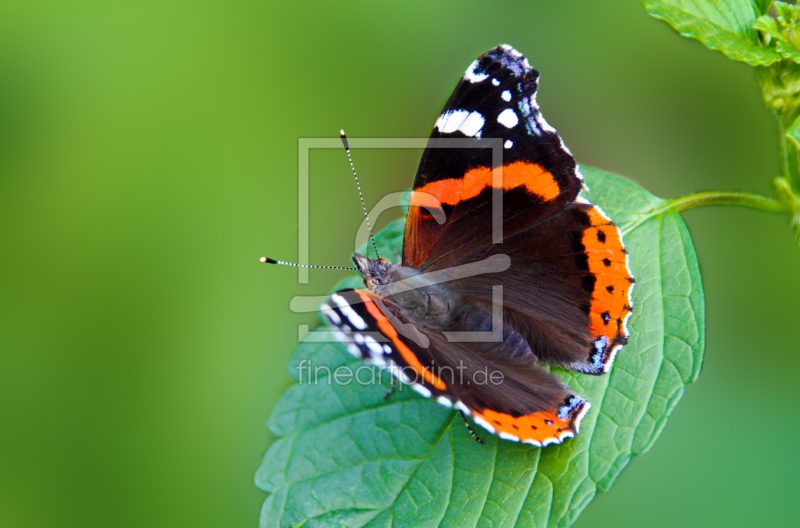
(495, 99)
(496, 383)
(566, 295)
(568, 290)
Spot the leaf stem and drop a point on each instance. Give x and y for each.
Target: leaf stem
(745, 199)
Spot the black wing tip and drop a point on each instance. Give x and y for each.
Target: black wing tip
(507, 49)
(509, 57)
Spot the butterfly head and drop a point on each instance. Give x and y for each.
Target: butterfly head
(378, 272)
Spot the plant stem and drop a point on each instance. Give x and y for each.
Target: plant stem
(789, 153)
(783, 148)
(745, 199)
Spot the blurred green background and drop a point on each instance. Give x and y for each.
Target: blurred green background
(148, 157)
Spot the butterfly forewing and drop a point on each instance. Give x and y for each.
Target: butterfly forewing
(495, 99)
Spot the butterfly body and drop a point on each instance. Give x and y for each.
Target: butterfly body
(432, 303)
(505, 267)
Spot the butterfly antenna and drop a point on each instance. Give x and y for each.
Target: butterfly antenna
(266, 260)
(361, 196)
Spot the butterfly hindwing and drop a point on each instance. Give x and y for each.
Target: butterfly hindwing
(368, 323)
(494, 382)
(567, 291)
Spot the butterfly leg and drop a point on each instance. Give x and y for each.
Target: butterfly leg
(391, 389)
(469, 428)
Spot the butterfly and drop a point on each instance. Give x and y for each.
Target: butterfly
(505, 267)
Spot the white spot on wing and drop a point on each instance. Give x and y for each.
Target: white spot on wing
(508, 436)
(578, 419)
(473, 77)
(568, 151)
(544, 125)
(506, 95)
(602, 213)
(469, 123)
(511, 51)
(331, 313)
(508, 118)
(472, 125)
(398, 373)
(463, 408)
(611, 356)
(495, 82)
(373, 346)
(449, 121)
(443, 400)
(508, 144)
(422, 390)
(348, 312)
(377, 360)
(483, 423)
(627, 316)
(516, 55)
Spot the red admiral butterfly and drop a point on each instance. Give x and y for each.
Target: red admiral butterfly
(555, 288)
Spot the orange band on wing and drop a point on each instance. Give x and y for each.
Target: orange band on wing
(540, 427)
(608, 263)
(408, 356)
(454, 190)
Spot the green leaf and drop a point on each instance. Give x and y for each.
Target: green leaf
(344, 456)
(767, 24)
(780, 86)
(762, 6)
(783, 30)
(723, 25)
